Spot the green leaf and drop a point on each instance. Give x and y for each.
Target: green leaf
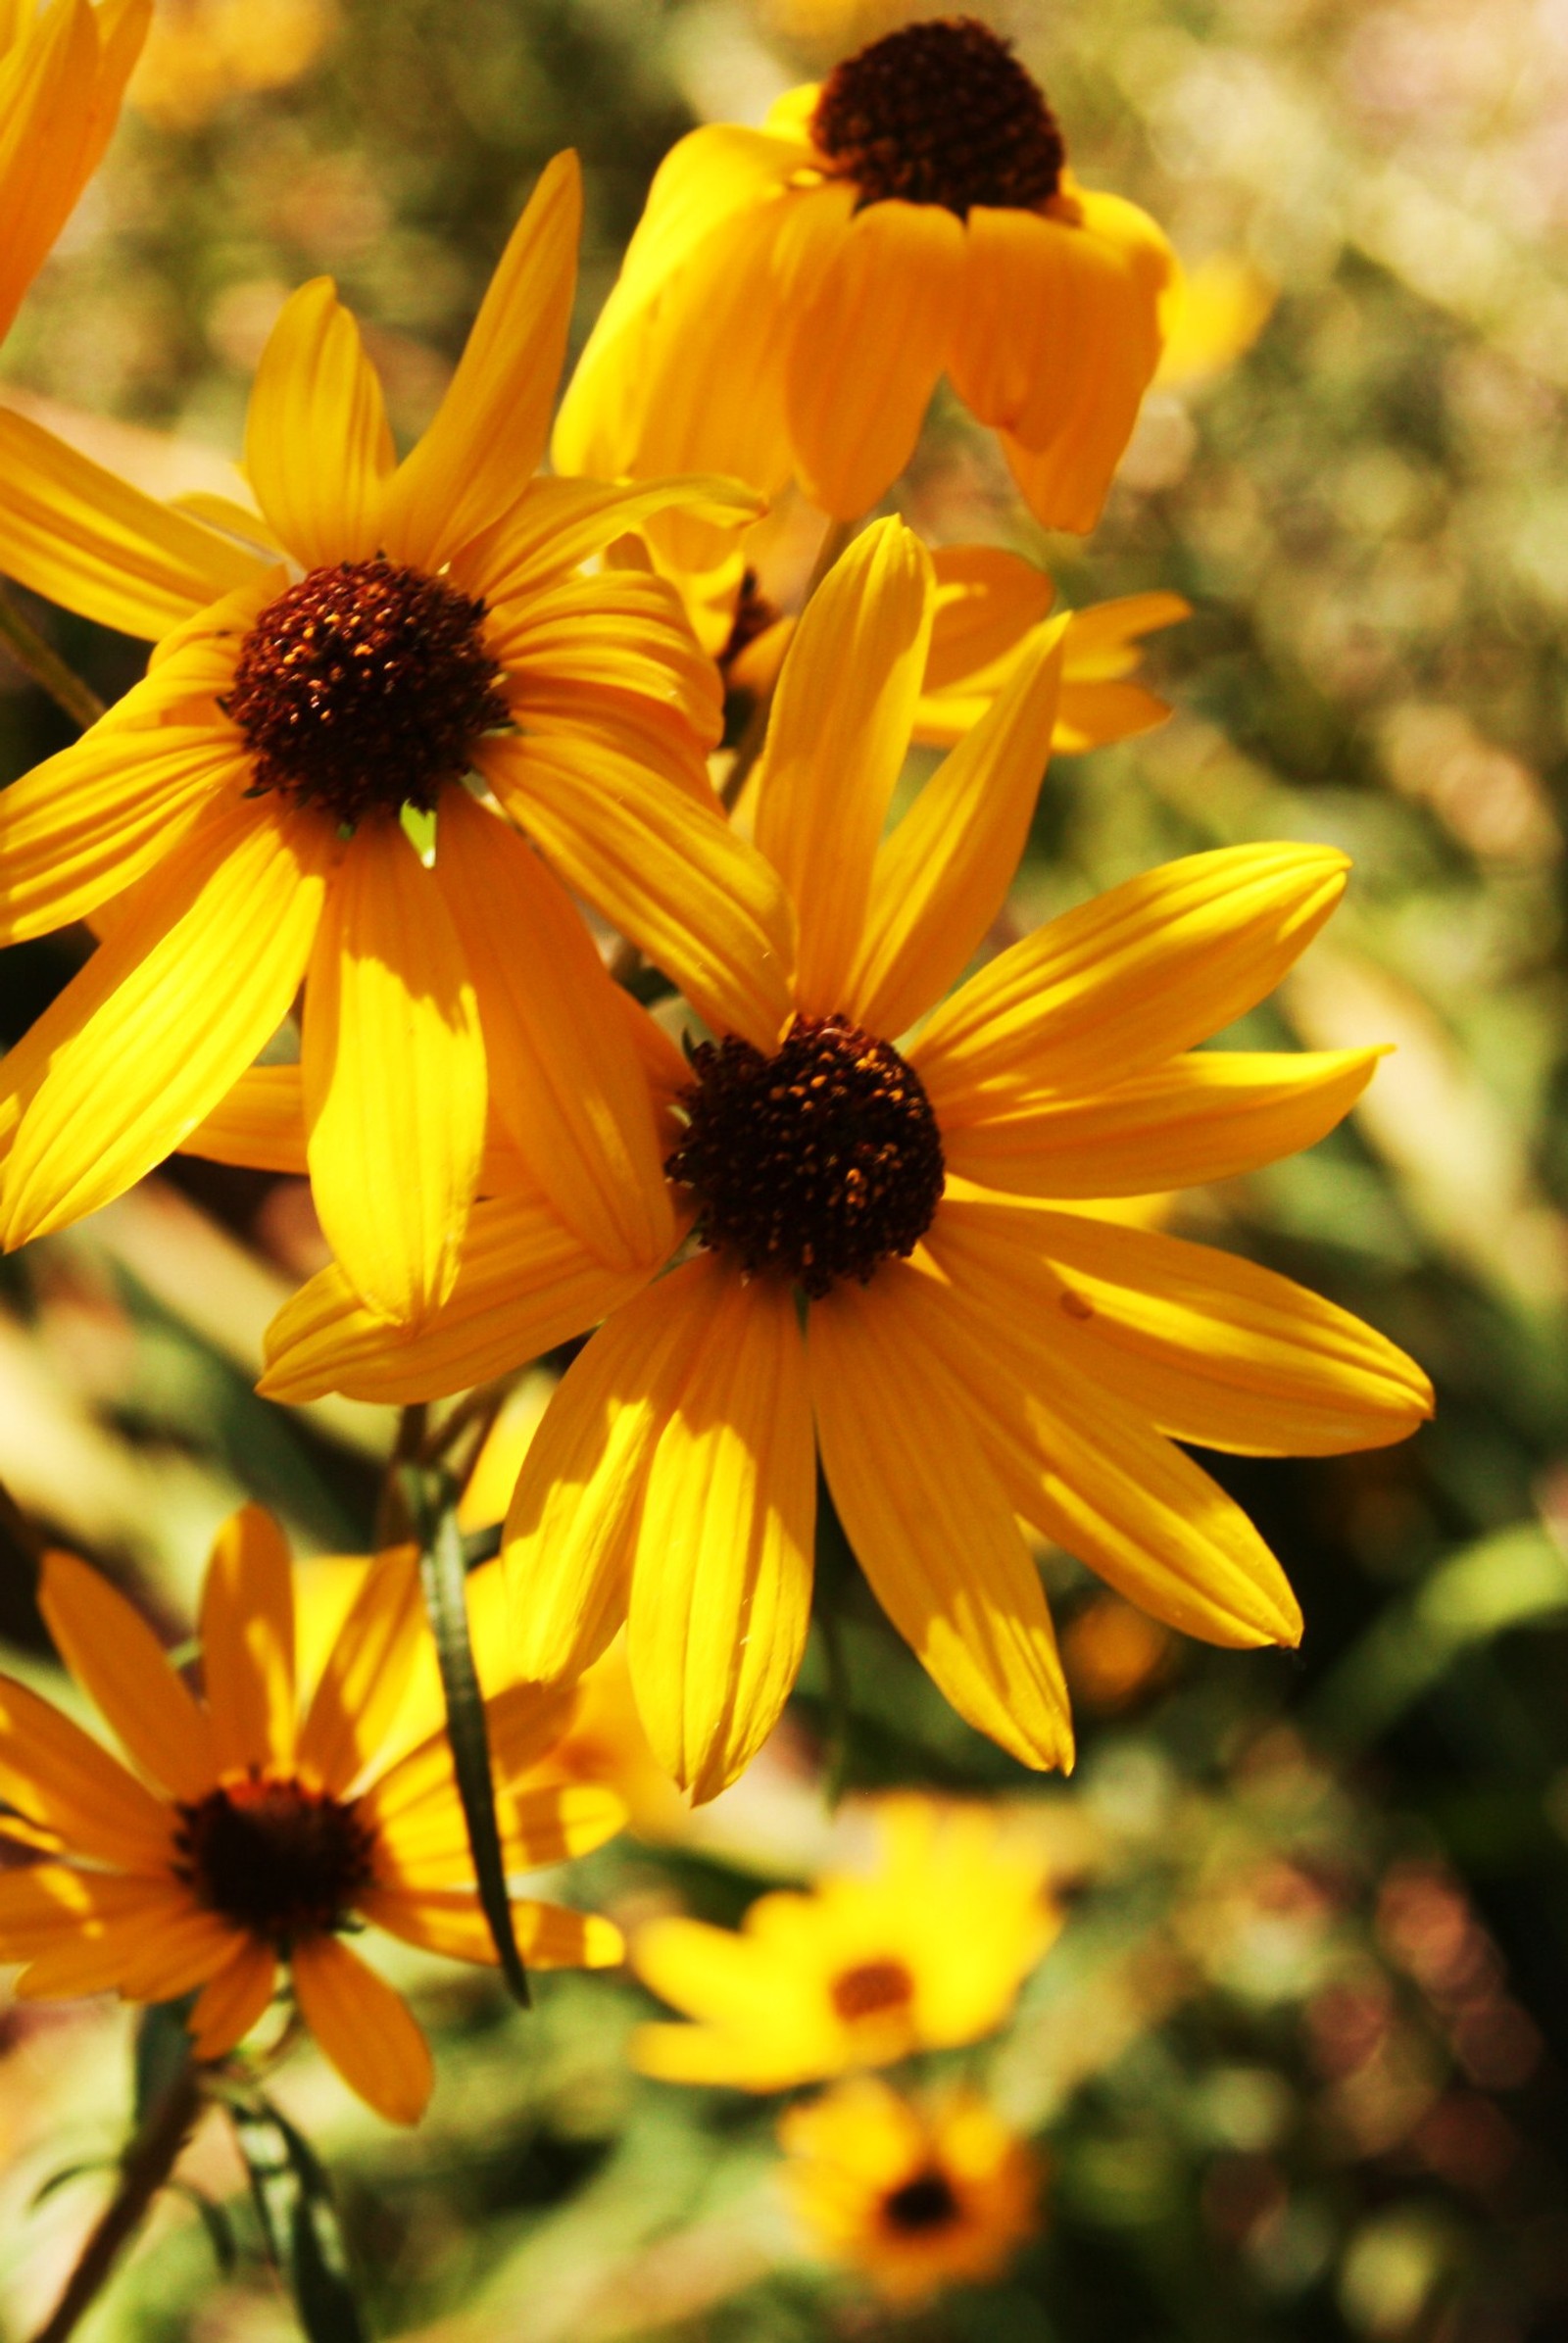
(65, 2175)
(432, 1500)
(162, 2052)
(214, 2219)
(300, 2223)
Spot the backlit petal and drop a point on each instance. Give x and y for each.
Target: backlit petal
(55, 1774)
(117, 1659)
(318, 444)
(231, 2003)
(987, 601)
(365, 2030)
(549, 1936)
(247, 1638)
(560, 524)
(366, 1671)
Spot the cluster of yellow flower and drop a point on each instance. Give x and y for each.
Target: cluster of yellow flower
(402, 719)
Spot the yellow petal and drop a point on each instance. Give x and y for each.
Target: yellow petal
(247, 1637)
(566, 1078)
(429, 1846)
(836, 743)
(621, 633)
(987, 601)
(1134, 976)
(143, 1938)
(393, 1065)
(55, 1774)
(558, 524)
(943, 876)
(231, 2003)
(117, 1660)
(488, 433)
(365, 2029)
(923, 1509)
(367, 1669)
(549, 1936)
(261, 1122)
(525, 1723)
(318, 444)
(46, 1904)
(721, 1587)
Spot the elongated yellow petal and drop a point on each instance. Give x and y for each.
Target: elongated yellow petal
(163, 1948)
(931, 1528)
(721, 1587)
(318, 444)
(261, 1122)
(367, 1672)
(90, 541)
(525, 1723)
(49, 1903)
(943, 876)
(549, 1936)
(363, 2027)
(1208, 1115)
(247, 1637)
(55, 1774)
(429, 1846)
(165, 1015)
(114, 1656)
(566, 1077)
(234, 2000)
(621, 632)
(558, 524)
(1132, 977)
(836, 743)
(987, 601)
(702, 904)
(488, 433)
(393, 1065)
(525, 1284)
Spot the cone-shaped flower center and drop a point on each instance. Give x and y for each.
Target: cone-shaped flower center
(872, 1988)
(364, 688)
(927, 2202)
(274, 1857)
(940, 113)
(817, 1162)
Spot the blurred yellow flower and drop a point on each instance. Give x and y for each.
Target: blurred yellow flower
(251, 1828)
(324, 679)
(881, 1279)
(1226, 302)
(63, 71)
(914, 2197)
(792, 294)
(866, 1968)
(203, 51)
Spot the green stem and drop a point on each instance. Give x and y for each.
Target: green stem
(392, 1521)
(145, 2166)
(47, 668)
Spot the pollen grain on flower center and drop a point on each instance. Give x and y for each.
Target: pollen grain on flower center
(927, 2202)
(940, 113)
(816, 1163)
(276, 1858)
(363, 688)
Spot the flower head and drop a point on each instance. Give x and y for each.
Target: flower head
(251, 1829)
(792, 294)
(866, 1968)
(914, 2197)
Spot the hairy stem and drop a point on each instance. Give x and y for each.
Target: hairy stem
(144, 2168)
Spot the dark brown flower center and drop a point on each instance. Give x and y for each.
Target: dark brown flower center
(277, 1859)
(940, 113)
(816, 1163)
(927, 2202)
(364, 688)
(872, 1988)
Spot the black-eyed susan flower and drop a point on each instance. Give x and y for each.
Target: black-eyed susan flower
(914, 2196)
(792, 294)
(241, 822)
(63, 71)
(250, 1831)
(864, 1968)
(898, 1266)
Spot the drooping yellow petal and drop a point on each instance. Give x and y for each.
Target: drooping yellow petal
(75, 533)
(1134, 976)
(318, 444)
(549, 1936)
(488, 433)
(721, 1587)
(943, 876)
(926, 1516)
(365, 2029)
(987, 601)
(566, 1078)
(393, 1065)
(367, 1669)
(836, 743)
(114, 1656)
(247, 1638)
(259, 1122)
(55, 1774)
(234, 2000)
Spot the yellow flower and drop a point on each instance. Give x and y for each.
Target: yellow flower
(63, 71)
(251, 1829)
(865, 1969)
(409, 622)
(792, 294)
(202, 51)
(898, 1271)
(913, 2197)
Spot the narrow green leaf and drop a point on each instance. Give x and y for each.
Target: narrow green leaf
(65, 2175)
(299, 2224)
(214, 2219)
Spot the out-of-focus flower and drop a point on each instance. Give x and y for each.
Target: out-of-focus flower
(1225, 304)
(914, 2197)
(324, 679)
(201, 52)
(1112, 1652)
(792, 294)
(63, 73)
(881, 1279)
(245, 1833)
(866, 1968)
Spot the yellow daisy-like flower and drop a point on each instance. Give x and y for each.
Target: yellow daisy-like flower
(865, 1969)
(245, 1833)
(241, 813)
(897, 1270)
(914, 2197)
(63, 73)
(792, 294)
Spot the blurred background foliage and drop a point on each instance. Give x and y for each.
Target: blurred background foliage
(1299, 2056)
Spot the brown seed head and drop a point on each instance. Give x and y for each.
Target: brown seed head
(276, 1858)
(927, 2202)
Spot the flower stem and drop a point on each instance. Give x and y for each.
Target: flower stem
(47, 668)
(144, 2168)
